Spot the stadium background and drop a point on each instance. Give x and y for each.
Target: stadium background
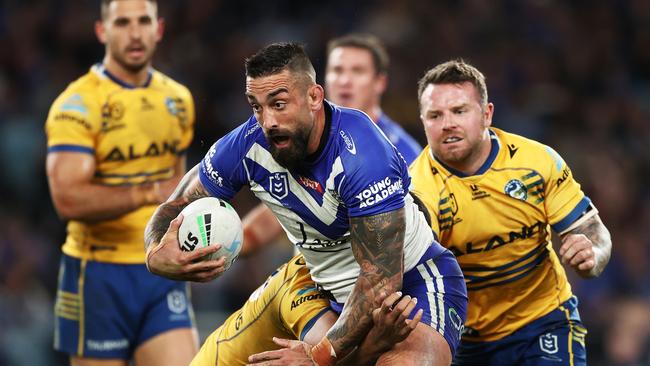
(572, 74)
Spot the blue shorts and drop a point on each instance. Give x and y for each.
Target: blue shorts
(438, 284)
(107, 310)
(557, 338)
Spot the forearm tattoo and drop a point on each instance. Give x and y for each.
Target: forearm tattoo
(377, 245)
(185, 193)
(594, 229)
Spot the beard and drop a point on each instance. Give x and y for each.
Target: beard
(292, 156)
(131, 66)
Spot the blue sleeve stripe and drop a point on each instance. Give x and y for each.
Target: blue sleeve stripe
(311, 322)
(572, 216)
(71, 148)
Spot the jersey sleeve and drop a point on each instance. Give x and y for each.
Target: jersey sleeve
(73, 123)
(375, 175)
(222, 170)
(564, 200)
(190, 120)
(302, 305)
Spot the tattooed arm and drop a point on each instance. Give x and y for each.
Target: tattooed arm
(163, 254)
(377, 243)
(587, 247)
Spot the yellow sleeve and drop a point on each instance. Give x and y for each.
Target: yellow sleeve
(73, 123)
(423, 186)
(188, 126)
(564, 200)
(302, 305)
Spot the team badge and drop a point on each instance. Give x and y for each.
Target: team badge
(516, 189)
(278, 185)
(548, 343)
(172, 108)
(176, 301)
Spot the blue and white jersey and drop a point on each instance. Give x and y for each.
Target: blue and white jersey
(357, 172)
(405, 143)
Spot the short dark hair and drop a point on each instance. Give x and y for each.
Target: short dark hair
(366, 42)
(106, 3)
(277, 57)
(455, 72)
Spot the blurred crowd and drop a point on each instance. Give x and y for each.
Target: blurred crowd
(572, 74)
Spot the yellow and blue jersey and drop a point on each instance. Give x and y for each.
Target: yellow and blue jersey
(287, 305)
(498, 224)
(136, 134)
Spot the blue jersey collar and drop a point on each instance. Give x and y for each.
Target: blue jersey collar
(122, 83)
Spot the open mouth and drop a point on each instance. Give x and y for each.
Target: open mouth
(135, 51)
(281, 141)
(345, 98)
(451, 140)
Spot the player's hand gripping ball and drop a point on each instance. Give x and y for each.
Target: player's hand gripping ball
(209, 221)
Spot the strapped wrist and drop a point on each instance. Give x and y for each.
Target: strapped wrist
(323, 353)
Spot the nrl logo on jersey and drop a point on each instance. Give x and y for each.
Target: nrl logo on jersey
(279, 185)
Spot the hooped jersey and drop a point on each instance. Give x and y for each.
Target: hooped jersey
(287, 305)
(357, 173)
(136, 134)
(498, 224)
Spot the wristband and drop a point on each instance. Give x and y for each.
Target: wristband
(323, 353)
(250, 239)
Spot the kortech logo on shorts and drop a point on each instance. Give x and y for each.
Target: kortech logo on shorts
(176, 301)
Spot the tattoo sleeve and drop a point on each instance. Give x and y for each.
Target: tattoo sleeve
(377, 243)
(189, 189)
(594, 229)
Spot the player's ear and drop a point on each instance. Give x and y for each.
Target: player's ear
(315, 95)
(161, 29)
(488, 112)
(100, 31)
(381, 81)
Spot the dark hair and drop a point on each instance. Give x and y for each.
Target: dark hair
(367, 42)
(106, 3)
(277, 57)
(455, 72)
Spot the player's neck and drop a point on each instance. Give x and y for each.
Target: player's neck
(317, 131)
(374, 112)
(138, 78)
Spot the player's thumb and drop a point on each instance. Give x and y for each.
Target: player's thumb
(176, 223)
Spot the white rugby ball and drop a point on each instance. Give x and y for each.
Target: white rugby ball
(209, 221)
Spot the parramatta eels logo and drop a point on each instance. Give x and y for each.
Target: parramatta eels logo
(516, 189)
(278, 185)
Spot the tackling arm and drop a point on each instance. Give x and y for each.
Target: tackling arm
(587, 247)
(377, 243)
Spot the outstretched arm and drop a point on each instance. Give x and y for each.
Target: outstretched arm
(587, 247)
